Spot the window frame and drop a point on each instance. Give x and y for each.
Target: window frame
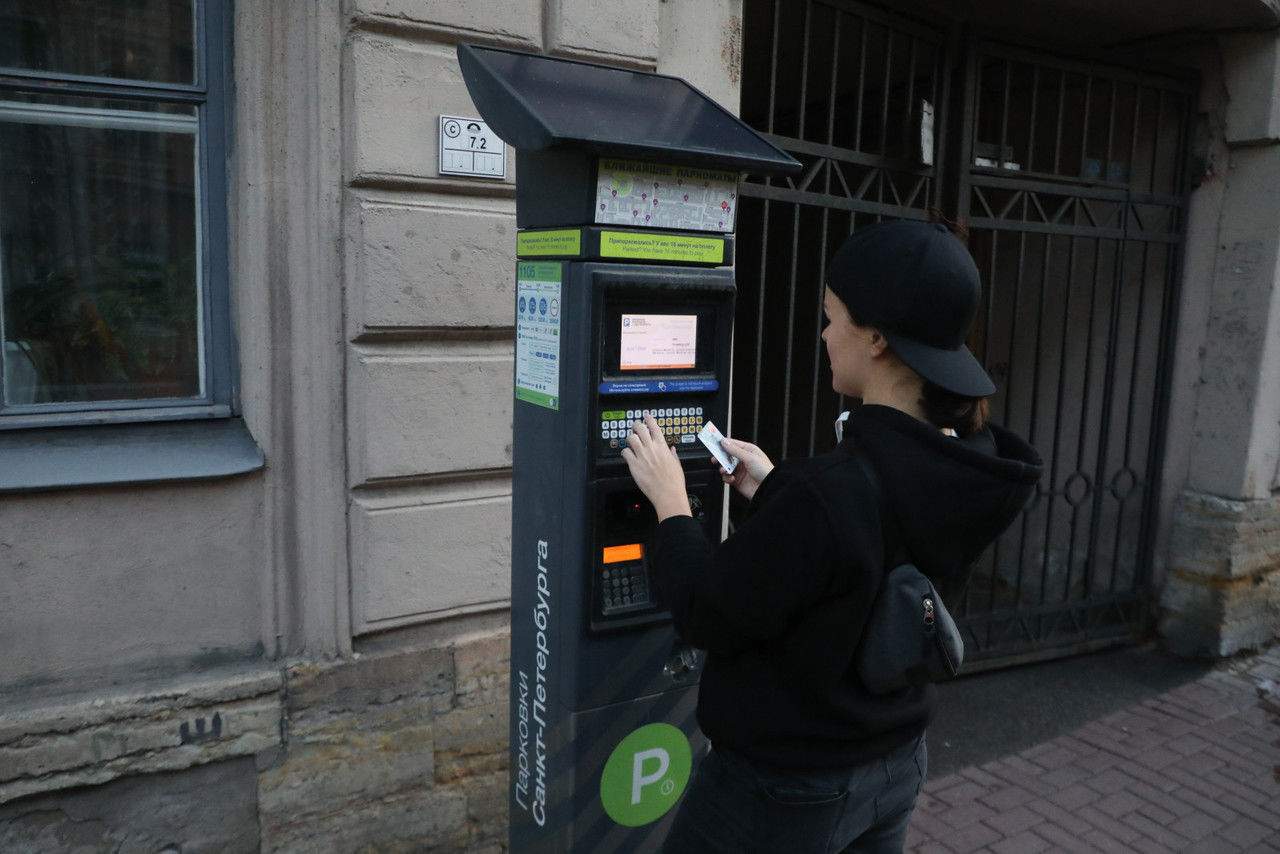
(209, 95)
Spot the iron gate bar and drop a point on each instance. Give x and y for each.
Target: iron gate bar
(884, 101)
(866, 183)
(1155, 138)
(845, 155)
(968, 117)
(791, 321)
(1077, 476)
(1096, 484)
(764, 258)
(1073, 231)
(1104, 434)
(1031, 120)
(973, 106)
(1057, 421)
(909, 112)
(942, 113)
(1084, 125)
(795, 225)
(764, 243)
(986, 348)
(1166, 82)
(1128, 428)
(1042, 183)
(1111, 121)
(835, 79)
(826, 224)
(1096, 194)
(978, 222)
(1004, 111)
(1057, 134)
(1008, 388)
(1042, 611)
(1137, 114)
(1044, 214)
(1164, 374)
(782, 194)
(835, 167)
(1047, 254)
(877, 15)
(806, 178)
(1013, 200)
(862, 79)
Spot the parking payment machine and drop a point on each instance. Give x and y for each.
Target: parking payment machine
(626, 199)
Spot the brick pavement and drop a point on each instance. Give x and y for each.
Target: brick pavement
(1196, 769)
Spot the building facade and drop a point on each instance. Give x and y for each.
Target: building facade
(255, 414)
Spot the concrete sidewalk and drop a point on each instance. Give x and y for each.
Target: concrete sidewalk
(1195, 768)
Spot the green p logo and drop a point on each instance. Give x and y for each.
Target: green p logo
(645, 774)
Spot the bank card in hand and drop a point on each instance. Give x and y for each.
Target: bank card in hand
(712, 437)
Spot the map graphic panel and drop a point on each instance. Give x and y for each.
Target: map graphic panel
(650, 195)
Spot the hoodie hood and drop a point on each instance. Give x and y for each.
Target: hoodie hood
(950, 498)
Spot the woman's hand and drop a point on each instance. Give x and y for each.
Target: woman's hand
(753, 467)
(656, 469)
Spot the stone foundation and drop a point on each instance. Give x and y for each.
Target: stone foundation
(395, 750)
(1222, 595)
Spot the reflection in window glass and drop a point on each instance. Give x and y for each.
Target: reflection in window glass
(151, 40)
(99, 259)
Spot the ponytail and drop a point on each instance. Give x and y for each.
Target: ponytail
(946, 409)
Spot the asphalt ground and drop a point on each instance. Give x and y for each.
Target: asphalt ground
(995, 713)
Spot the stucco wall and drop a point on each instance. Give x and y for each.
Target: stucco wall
(129, 580)
(429, 261)
(1221, 467)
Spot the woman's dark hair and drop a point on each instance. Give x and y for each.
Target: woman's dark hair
(945, 408)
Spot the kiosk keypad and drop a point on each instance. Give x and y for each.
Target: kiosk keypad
(680, 424)
(625, 588)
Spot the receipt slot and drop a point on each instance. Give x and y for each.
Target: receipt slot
(626, 199)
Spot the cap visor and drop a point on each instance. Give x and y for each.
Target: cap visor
(956, 371)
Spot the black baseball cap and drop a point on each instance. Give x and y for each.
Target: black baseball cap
(917, 284)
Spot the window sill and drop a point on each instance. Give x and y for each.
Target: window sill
(69, 457)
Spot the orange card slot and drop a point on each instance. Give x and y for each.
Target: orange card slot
(617, 554)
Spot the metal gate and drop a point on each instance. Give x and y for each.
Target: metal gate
(1070, 177)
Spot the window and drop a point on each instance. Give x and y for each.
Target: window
(114, 295)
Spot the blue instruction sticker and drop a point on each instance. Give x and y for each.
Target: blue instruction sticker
(658, 386)
(538, 333)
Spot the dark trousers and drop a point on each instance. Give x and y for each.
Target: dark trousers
(733, 805)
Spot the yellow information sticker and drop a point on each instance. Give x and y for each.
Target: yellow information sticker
(662, 247)
(562, 242)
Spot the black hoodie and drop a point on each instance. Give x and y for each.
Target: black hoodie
(780, 605)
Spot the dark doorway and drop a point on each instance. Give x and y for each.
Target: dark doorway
(1070, 176)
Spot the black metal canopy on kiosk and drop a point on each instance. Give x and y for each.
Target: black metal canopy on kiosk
(626, 198)
(561, 115)
(537, 102)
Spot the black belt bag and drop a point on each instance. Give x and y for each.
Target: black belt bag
(910, 638)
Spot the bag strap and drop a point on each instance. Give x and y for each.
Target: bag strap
(888, 521)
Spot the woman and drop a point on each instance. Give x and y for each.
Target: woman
(804, 757)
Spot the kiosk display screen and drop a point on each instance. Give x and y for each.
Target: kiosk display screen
(658, 342)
